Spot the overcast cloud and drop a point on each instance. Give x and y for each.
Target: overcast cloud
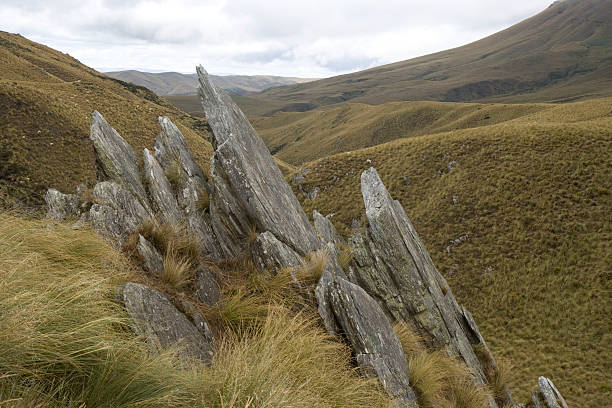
(307, 38)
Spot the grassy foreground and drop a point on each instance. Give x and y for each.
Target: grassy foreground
(517, 217)
(65, 343)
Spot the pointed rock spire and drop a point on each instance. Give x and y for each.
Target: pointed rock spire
(116, 158)
(392, 264)
(248, 186)
(162, 196)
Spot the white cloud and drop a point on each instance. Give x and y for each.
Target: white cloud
(296, 38)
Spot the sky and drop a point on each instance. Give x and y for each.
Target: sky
(306, 38)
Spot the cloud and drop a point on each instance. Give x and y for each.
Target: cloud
(297, 38)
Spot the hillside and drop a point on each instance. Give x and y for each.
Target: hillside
(299, 137)
(516, 216)
(559, 55)
(176, 84)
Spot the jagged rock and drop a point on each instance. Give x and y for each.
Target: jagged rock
(374, 342)
(117, 212)
(271, 254)
(151, 258)
(548, 396)
(61, 206)
(393, 266)
(161, 324)
(198, 321)
(174, 157)
(116, 158)
(325, 229)
(162, 196)
(248, 186)
(207, 288)
(331, 270)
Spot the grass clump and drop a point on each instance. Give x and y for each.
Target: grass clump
(439, 380)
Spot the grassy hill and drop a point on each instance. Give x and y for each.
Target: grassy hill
(174, 83)
(298, 137)
(563, 53)
(46, 101)
(516, 215)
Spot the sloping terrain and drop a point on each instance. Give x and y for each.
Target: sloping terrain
(563, 53)
(177, 84)
(298, 137)
(517, 217)
(46, 101)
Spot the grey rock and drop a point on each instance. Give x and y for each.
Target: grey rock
(207, 288)
(331, 270)
(116, 158)
(393, 266)
(548, 395)
(151, 258)
(325, 229)
(162, 197)
(248, 186)
(271, 254)
(61, 206)
(174, 157)
(198, 321)
(376, 346)
(117, 212)
(161, 324)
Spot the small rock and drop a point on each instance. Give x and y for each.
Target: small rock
(152, 260)
(61, 206)
(207, 288)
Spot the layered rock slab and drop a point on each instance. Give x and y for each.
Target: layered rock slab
(161, 324)
(376, 346)
(248, 187)
(116, 158)
(192, 190)
(547, 396)
(162, 196)
(393, 266)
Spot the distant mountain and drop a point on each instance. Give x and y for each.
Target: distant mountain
(563, 53)
(174, 83)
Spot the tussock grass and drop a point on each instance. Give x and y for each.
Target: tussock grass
(65, 343)
(438, 379)
(178, 270)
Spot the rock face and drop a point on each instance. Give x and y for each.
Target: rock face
(117, 212)
(162, 196)
(271, 254)
(61, 206)
(174, 157)
(547, 396)
(248, 187)
(156, 319)
(207, 288)
(116, 158)
(152, 260)
(325, 229)
(394, 267)
(374, 342)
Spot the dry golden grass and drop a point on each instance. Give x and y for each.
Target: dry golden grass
(178, 270)
(65, 343)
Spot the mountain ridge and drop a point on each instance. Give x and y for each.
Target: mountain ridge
(178, 84)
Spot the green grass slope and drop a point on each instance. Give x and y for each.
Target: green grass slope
(562, 53)
(517, 217)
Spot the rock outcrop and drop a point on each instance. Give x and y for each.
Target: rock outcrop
(207, 287)
(375, 344)
(192, 190)
(161, 324)
(547, 396)
(117, 212)
(116, 158)
(152, 260)
(325, 229)
(248, 188)
(162, 197)
(61, 206)
(393, 266)
(271, 254)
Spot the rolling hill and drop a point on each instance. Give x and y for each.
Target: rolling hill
(564, 53)
(176, 84)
